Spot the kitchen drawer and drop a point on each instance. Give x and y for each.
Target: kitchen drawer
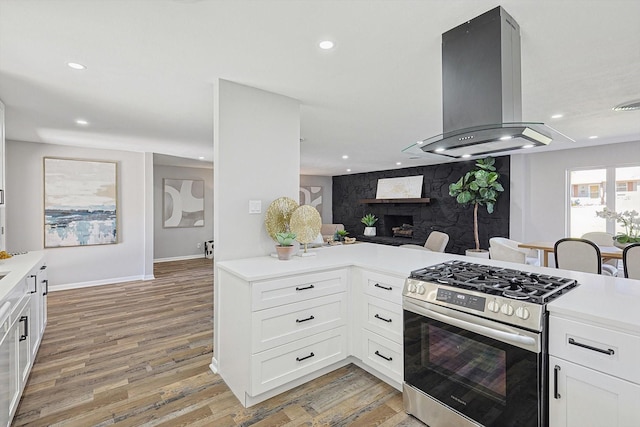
(383, 286)
(280, 365)
(286, 323)
(605, 350)
(383, 317)
(290, 289)
(383, 355)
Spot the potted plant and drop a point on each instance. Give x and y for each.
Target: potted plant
(629, 220)
(478, 187)
(285, 248)
(369, 220)
(342, 234)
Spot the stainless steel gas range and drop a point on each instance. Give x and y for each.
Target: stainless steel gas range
(475, 344)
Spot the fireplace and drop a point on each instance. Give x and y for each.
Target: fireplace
(403, 225)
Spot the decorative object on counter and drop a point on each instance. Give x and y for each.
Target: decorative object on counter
(478, 187)
(341, 235)
(183, 204)
(80, 202)
(278, 215)
(285, 248)
(369, 221)
(629, 220)
(5, 255)
(349, 240)
(305, 222)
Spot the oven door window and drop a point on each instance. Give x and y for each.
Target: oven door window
(491, 382)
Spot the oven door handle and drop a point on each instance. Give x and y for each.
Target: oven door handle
(506, 337)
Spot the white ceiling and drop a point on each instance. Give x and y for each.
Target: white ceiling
(151, 64)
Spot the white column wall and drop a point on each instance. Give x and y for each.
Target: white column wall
(256, 157)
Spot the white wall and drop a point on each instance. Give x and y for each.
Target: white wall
(539, 186)
(180, 243)
(77, 265)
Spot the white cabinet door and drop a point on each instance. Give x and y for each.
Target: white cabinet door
(8, 368)
(582, 397)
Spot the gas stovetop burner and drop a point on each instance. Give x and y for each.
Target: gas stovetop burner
(521, 285)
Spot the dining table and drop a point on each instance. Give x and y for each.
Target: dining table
(611, 252)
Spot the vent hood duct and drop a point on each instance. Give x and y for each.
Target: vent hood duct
(481, 92)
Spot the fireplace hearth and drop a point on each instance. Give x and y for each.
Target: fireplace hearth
(398, 226)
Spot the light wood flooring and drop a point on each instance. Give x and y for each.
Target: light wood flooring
(138, 354)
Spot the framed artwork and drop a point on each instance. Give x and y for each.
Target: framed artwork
(405, 187)
(183, 203)
(80, 202)
(311, 195)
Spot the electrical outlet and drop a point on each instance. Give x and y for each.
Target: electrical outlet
(199, 245)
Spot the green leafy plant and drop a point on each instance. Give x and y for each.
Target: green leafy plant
(285, 238)
(369, 220)
(342, 233)
(478, 187)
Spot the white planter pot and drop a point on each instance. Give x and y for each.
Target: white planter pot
(370, 231)
(483, 253)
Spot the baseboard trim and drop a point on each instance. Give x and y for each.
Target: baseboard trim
(78, 285)
(178, 258)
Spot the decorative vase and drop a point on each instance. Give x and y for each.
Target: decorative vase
(482, 253)
(285, 252)
(370, 231)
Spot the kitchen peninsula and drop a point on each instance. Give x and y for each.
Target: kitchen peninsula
(283, 323)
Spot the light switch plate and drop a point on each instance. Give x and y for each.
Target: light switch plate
(255, 206)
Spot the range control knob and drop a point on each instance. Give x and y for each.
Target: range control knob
(522, 313)
(507, 309)
(420, 289)
(412, 287)
(493, 306)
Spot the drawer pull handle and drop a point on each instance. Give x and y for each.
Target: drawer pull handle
(556, 395)
(298, 288)
(377, 353)
(35, 284)
(378, 285)
(377, 316)
(300, 359)
(46, 287)
(24, 319)
(305, 320)
(608, 351)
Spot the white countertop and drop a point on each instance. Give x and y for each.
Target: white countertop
(16, 268)
(609, 301)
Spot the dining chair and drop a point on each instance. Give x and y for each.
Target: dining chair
(437, 241)
(504, 249)
(579, 255)
(602, 238)
(631, 261)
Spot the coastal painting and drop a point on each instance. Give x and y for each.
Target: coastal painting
(80, 202)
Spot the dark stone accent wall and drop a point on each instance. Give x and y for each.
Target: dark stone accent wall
(442, 214)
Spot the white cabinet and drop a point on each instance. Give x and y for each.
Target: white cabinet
(38, 286)
(276, 333)
(381, 335)
(8, 364)
(2, 180)
(593, 375)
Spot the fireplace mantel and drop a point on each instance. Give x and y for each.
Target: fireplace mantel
(423, 200)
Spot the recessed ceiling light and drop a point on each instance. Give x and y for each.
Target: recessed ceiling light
(76, 66)
(348, 170)
(556, 116)
(505, 138)
(326, 44)
(398, 163)
(82, 122)
(420, 142)
(593, 137)
(201, 158)
(439, 150)
(464, 156)
(345, 157)
(528, 146)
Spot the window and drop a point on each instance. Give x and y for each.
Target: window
(591, 190)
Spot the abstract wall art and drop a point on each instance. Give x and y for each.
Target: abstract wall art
(183, 203)
(80, 202)
(311, 195)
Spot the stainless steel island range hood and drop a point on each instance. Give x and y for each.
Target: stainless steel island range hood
(481, 92)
